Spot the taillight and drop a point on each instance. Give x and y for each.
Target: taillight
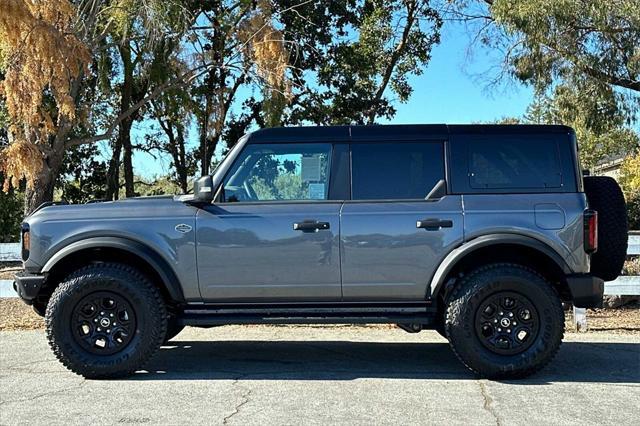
(26, 241)
(590, 231)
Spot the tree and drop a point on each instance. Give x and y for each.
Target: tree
(145, 35)
(581, 57)
(44, 60)
(586, 44)
(349, 62)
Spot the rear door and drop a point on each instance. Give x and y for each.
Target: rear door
(273, 235)
(392, 238)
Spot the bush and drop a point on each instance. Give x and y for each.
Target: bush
(633, 210)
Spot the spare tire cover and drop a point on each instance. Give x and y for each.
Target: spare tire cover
(605, 196)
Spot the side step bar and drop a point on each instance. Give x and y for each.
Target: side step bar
(205, 316)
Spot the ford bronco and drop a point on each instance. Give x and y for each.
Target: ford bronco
(480, 232)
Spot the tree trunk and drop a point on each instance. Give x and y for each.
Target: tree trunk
(113, 174)
(181, 163)
(43, 184)
(127, 154)
(124, 129)
(42, 191)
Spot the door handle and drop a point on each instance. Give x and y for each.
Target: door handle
(434, 224)
(310, 226)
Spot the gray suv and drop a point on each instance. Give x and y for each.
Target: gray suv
(480, 232)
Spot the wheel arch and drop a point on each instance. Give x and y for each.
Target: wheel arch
(122, 250)
(501, 248)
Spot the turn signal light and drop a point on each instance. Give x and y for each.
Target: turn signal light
(26, 241)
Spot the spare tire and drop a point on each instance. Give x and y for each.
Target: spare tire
(605, 196)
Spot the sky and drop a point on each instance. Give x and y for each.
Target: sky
(450, 91)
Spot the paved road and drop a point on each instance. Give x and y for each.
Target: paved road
(310, 375)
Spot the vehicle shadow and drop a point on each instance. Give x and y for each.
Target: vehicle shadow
(340, 360)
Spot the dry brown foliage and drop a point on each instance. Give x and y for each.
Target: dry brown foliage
(41, 57)
(265, 46)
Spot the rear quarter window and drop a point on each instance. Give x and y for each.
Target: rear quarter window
(501, 164)
(521, 163)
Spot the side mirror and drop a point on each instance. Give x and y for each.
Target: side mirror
(203, 190)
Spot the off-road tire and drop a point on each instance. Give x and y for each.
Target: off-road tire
(466, 299)
(126, 282)
(605, 196)
(173, 328)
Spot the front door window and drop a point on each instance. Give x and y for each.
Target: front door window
(279, 172)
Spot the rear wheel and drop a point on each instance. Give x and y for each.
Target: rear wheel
(504, 321)
(105, 321)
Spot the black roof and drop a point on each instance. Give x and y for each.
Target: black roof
(397, 132)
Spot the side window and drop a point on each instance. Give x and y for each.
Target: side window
(401, 170)
(272, 172)
(501, 164)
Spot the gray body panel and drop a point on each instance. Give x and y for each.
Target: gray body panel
(555, 219)
(384, 255)
(250, 252)
(148, 221)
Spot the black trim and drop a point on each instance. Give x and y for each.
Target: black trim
(28, 286)
(586, 290)
(48, 204)
(340, 173)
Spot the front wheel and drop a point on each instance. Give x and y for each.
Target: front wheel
(105, 321)
(504, 321)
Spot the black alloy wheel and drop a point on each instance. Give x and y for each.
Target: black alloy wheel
(103, 323)
(507, 323)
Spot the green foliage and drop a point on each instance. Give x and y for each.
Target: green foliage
(582, 58)
(633, 210)
(162, 185)
(12, 214)
(601, 136)
(82, 176)
(284, 186)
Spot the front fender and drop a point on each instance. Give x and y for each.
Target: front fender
(161, 266)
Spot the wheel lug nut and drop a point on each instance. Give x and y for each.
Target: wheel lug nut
(111, 315)
(499, 329)
(510, 314)
(508, 331)
(501, 313)
(108, 331)
(99, 329)
(95, 320)
(101, 313)
(515, 323)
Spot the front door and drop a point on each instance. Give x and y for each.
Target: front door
(274, 235)
(393, 239)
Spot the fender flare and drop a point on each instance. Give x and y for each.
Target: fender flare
(162, 268)
(469, 247)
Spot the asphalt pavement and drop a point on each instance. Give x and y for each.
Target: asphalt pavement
(268, 375)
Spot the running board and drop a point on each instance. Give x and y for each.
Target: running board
(204, 316)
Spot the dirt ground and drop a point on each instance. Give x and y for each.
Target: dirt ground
(15, 315)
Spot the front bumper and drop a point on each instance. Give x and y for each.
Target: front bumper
(586, 290)
(28, 286)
